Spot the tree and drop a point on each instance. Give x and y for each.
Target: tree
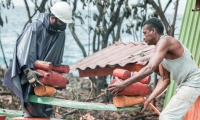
(110, 16)
(6, 5)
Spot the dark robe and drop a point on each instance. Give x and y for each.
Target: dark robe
(35, 43)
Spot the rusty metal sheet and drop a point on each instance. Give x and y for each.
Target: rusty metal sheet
(118, 55)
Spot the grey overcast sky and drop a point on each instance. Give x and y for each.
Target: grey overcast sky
(182, 4)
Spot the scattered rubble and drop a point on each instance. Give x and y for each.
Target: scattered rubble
(80, 89)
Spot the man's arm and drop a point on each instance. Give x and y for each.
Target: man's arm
(161, 49)
(162, 84)
(160, 87)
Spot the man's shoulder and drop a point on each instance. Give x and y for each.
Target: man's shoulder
(167, 40)
(167, 37)
(170, 38)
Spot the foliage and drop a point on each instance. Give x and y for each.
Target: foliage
(109, 16)
(6, 4)
(113, 13)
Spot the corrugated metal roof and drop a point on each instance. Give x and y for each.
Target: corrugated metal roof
(118, 54)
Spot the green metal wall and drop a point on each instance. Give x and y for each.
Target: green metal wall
(190, 37)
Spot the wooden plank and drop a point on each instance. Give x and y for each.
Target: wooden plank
(10, 113)
(79, 105)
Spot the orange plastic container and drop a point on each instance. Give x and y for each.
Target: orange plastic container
(137, 89)
(146, 80)
(121, 74)
(53, 78)
(125, 74)
(43, 65)
(194, 112)
(61, 68)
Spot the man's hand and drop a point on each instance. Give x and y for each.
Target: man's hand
(116, 87)
(145, 104)
(32, 76)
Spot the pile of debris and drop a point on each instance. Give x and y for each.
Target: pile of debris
(80, 89)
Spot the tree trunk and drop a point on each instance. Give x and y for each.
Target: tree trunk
(72, 29)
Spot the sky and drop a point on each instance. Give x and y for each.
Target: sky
(182, 4)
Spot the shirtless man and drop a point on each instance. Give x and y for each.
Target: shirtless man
(173, 59)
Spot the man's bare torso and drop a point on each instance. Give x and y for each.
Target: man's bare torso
(176, 49)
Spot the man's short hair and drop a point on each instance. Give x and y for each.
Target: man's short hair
(154, 23)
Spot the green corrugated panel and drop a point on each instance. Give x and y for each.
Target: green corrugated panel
(80, 105)
(10, 113)
(190, 30)
(170, 92)
(190, 37)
